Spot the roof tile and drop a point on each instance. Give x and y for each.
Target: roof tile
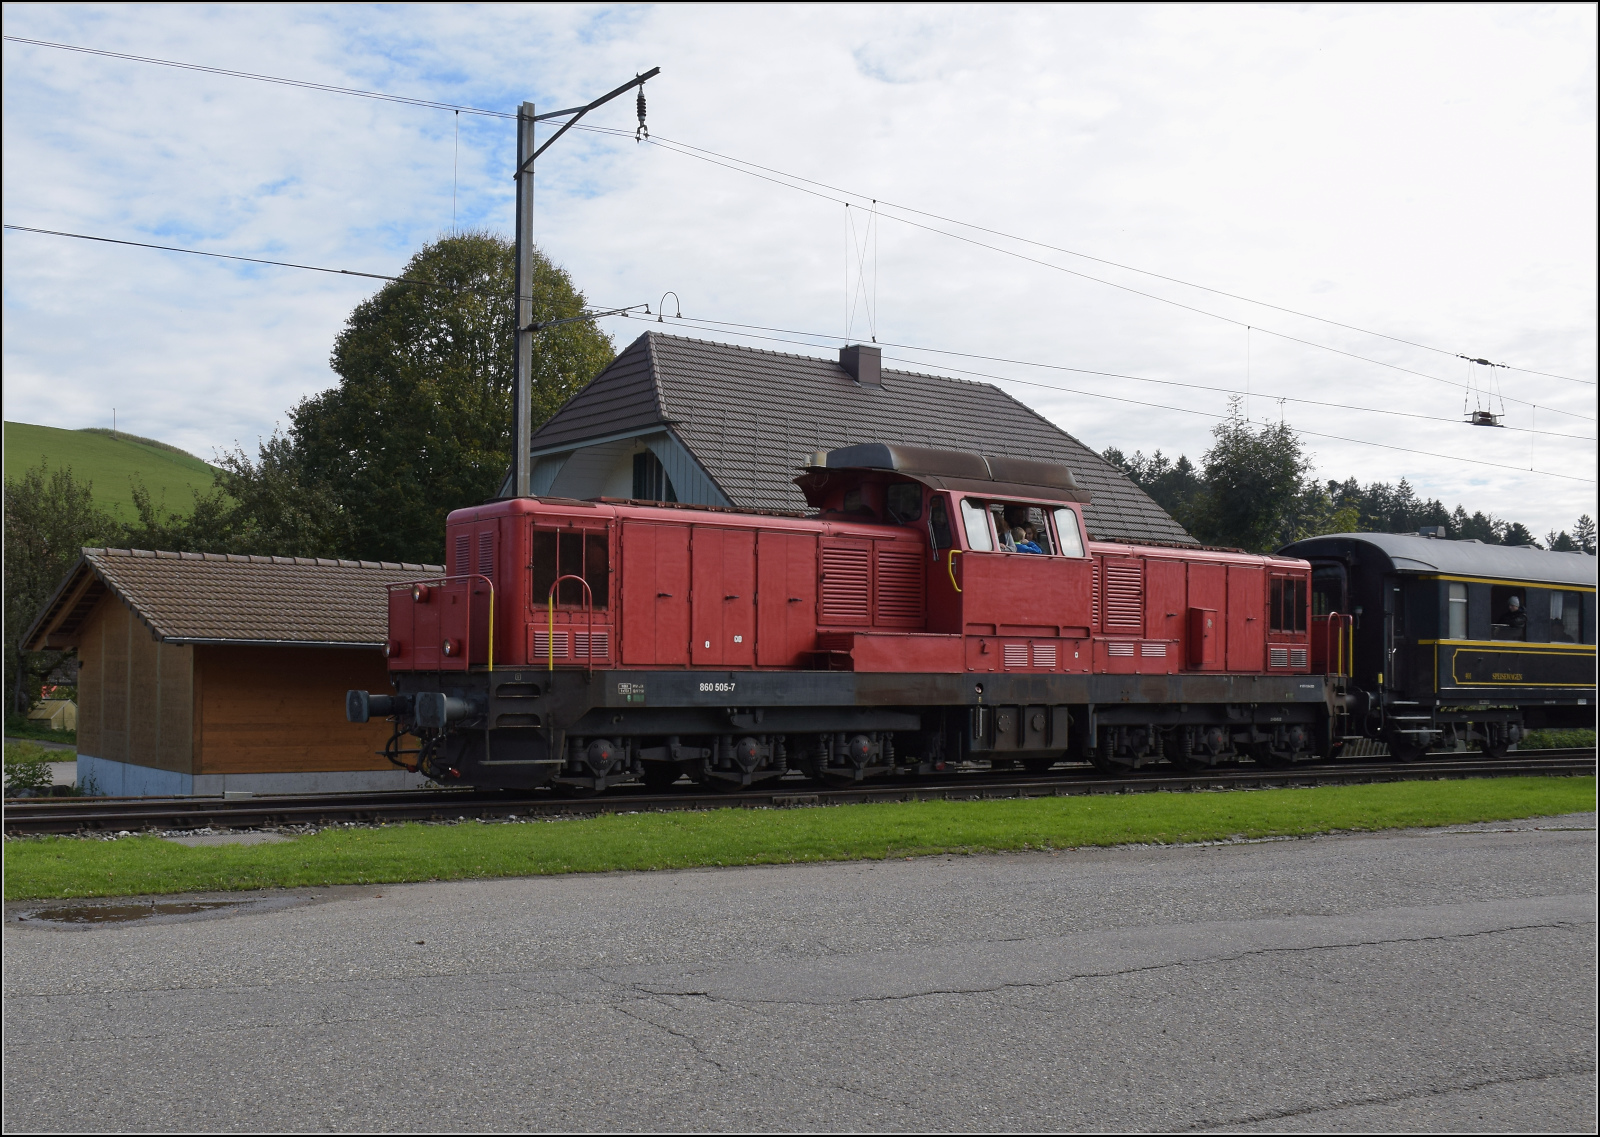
(751, 417)
(232, 597)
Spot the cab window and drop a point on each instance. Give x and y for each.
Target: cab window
(1071, 536)
(571, 552)
(904, 502)
(1288, 609)
(1021, 528)
(975, 520)
(939, 524)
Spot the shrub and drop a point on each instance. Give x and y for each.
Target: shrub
(27, 768)
(1556, 739)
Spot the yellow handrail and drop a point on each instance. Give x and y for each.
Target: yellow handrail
(950, 565)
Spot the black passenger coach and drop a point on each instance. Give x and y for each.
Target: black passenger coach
(1437, 641)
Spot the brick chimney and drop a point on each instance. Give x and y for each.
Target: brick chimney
(864, 362)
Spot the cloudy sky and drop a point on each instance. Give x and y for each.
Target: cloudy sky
(1425, 172)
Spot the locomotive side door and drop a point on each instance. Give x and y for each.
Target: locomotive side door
(655, 594)
(787, 605)
(1207, 631)
(722, 597)
(1247, 633)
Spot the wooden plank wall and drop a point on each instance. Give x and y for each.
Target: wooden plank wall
(134, 694)
(280, 709)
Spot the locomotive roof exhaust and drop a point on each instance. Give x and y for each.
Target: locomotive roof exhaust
(948, 469)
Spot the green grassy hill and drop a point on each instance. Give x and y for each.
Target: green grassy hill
(110, 462)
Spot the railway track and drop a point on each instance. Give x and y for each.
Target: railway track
(33, 817)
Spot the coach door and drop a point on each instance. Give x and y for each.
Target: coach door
(655, 595)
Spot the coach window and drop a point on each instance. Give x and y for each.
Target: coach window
(975, 520)
(1071, 536)
(1458, 612)
(1327, 590)
(571, 552)
(1508, 620)
(1566, 617)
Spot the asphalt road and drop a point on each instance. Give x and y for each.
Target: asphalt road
(1413, 980)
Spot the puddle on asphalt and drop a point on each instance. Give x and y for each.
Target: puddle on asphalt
(122, 913)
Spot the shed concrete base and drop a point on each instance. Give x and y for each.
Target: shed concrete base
(124, 779)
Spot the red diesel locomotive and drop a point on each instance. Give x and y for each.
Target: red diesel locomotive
(938, 607)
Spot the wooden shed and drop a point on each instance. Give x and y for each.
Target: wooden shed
(201, 673)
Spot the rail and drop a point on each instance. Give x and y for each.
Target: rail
(38, 816)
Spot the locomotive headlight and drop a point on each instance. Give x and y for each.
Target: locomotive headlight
(450, 647)
(420, 593)
(391, 649)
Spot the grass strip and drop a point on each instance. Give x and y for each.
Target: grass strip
(52, 867)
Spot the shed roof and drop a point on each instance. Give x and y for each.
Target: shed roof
(1406, 552)
(752, 417)
(229, 599)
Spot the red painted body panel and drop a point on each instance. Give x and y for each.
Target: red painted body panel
(684, 587)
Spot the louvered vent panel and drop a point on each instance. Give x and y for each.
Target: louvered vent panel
(900, 585)
(461, 563)
(1124, 595)
(1278, 657)
(486, 554)
(1044, 655)
(1119, 649)
(580, 645)
(1153, 651)
(1016, 655)
(846, 586)
(1094, 592)
(541, 645)
(1297, 657)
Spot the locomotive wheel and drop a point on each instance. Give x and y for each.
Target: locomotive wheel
(1404, 750)
(1265, 755)
(1108, 761)
(1180, 756)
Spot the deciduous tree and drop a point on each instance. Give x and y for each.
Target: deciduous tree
(49, 517)
(420, 421)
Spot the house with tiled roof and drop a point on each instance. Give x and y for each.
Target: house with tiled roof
(678, 419)
(204, 673)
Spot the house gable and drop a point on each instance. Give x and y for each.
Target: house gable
(747, 420)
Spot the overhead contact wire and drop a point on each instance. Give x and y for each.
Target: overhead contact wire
(741, 165)
(689, 322)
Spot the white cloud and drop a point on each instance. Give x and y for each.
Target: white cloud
(1426, 171)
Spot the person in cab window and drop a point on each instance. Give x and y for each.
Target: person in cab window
(1516, 618)
(1024, 537)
